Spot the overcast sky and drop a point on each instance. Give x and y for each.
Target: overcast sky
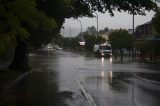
(119, 20)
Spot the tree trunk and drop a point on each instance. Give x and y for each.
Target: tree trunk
(115, 54)
(121, 52)
(115, 57)
(129, 54)
(133, 54)
(20, 62)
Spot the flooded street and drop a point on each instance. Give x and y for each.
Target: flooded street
(58, 79)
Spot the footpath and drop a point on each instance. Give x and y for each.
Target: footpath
(9, 78)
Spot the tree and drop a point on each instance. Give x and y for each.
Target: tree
(156, 21)
(105, 30)
(120, 40)
(91, 40)
(139, 6)
(29, 21)
(15, 18)
(91, 30)
(71, 43)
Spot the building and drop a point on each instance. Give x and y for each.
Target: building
(104, 35)
(145, 32)
(130, 31)
(145, 35)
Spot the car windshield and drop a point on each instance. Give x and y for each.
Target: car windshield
(105, 47)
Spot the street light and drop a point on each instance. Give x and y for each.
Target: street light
(97, 22)
(97, 26)
(133, 18)
(133, 23)
(133, 29)
(82, 43)
(81, 28)
(70, 30)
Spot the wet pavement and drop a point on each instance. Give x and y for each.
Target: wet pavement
(53, 81)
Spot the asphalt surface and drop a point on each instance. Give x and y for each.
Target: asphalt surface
(61, 78)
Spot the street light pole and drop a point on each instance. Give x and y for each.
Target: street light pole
(133, 34)
(70, 30)
(133, 18)
(97, 22)
(97, 27)
(133, 23)
(82, 43)
(81, 29)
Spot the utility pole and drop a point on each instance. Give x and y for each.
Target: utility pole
(97, 26)
(70, 30)
(82, 43)
(81, 29)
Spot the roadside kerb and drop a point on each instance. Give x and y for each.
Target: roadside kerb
(86, 94)
(144, 79)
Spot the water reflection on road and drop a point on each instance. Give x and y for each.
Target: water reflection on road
(53, 82)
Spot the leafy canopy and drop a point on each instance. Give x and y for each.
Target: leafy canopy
(132, 6)
(20, 18)
(16, 16)
(156, 21)
(120, 39)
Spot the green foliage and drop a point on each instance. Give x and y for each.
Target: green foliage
(28, 19)
(156, 21)
(120, 39)
(91, 30)
(139, 6)
(104, 31)
(72, 43)
(58, 40)
(16, 18)
(91, 40)
(149, 47)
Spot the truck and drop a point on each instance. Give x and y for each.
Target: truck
(103, 49)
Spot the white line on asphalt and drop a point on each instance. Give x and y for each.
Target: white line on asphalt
(158, 83)
(87, 95)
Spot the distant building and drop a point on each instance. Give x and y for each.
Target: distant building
(104, 35)
(144, 30)
(130, 31)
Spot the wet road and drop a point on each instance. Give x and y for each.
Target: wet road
(54, 79)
